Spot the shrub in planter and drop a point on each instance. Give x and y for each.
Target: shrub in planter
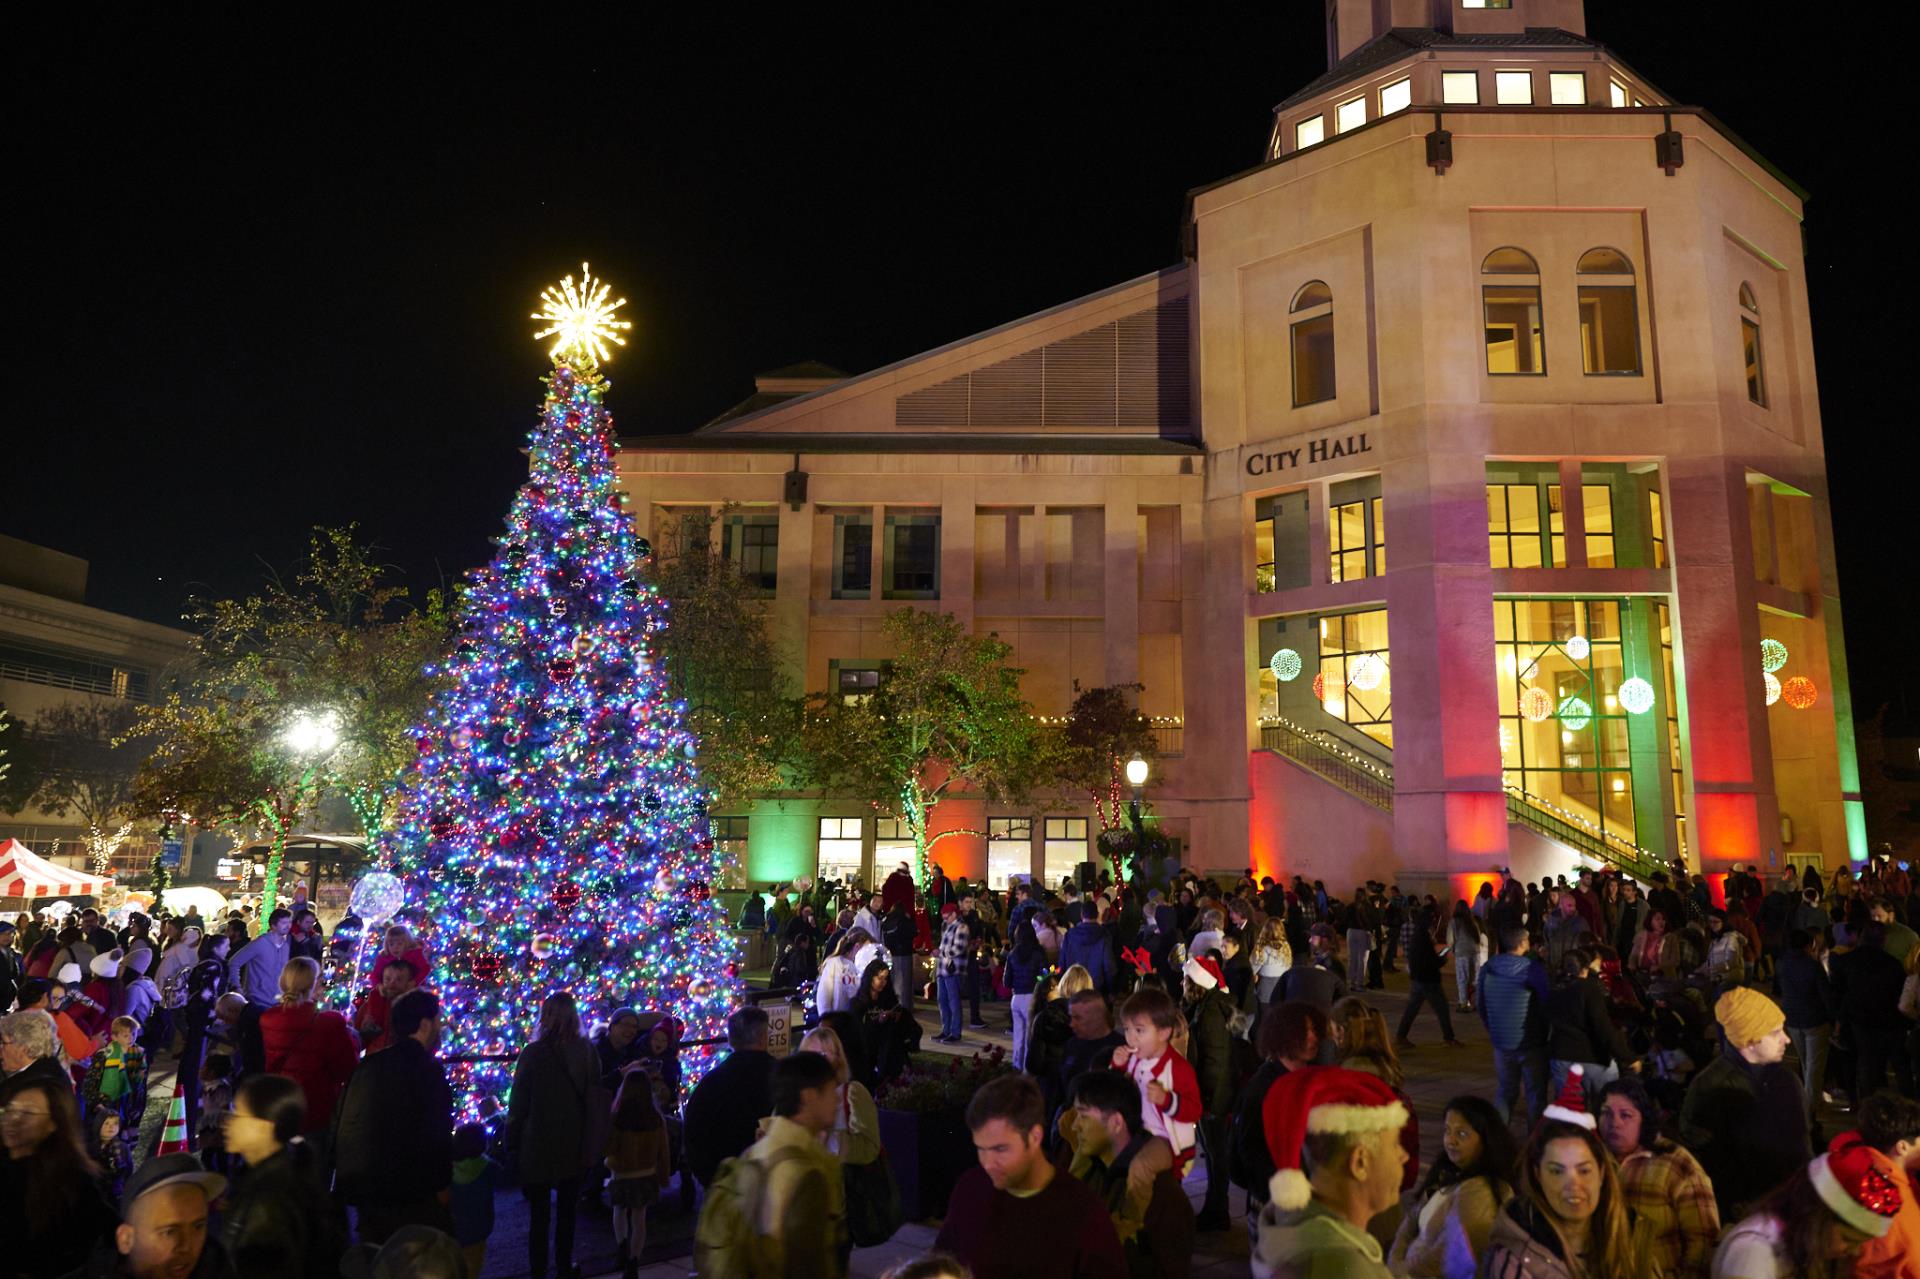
(924, 1129)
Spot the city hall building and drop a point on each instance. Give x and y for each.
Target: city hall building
(1458, 502)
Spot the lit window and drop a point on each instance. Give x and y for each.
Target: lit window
(1609, 314)
(1397, 96)
(1460, 87)
(1309, 132)
(1750, 346)
(1638, 103)
(1486, 4)
(1513, 88)
(1657, 528)
(1009, 849)
(854, 683)
(1350, 115)
(841, 854)
(1065, 847)
(1312, 334)
(1356, 534)
(730, 842)
(1569, 88)
(1616, 93)
(1597, 506)
(1510, 306)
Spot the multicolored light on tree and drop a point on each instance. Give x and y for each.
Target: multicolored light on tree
(553, 832)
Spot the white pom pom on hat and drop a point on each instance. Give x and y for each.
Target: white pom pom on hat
(1321, 1099)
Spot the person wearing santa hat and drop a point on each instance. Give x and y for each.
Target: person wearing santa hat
(1814, 1226)
(1744, 1115)
(1569, 1218)
(1335, 1139)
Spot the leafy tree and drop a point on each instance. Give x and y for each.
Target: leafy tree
(946, 721)
(1103, 731)
(719, 661)
(342, 644)
(82, 765)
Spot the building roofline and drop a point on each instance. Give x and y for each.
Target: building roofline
(896, 442)
(729, 425)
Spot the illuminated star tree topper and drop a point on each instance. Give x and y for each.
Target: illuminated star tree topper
(580, 319)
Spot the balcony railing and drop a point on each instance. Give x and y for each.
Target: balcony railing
(1568, 827)
(1357, 774)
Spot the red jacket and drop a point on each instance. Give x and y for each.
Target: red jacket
(314, 1049)
(898, 888)
(413, 955)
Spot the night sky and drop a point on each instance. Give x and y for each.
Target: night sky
(267, 278)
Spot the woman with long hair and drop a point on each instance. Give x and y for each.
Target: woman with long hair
(890, 1032)
(1025, 962)
(839, 978)
(53, 1212)
(855, 1135)
(1272, 956)
(1360, 1040)
(640, 1158)
(1569, 1217)
(1815, 1223)
(547, 1127)
(1662, 1180)
(315, 1048)
(1449, 1217)
(1653, 949)
(1466, 933)
(278, 1220)
(206, 981)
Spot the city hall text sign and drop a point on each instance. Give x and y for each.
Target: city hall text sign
(1325, 449)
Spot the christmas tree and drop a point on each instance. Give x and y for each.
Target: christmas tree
(553, 832)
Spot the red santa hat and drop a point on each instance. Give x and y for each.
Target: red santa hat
(1204, 972)
(1321, 1099)
(1570, 1107)
(1849, 1181)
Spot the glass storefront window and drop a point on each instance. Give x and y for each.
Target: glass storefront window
(730, 842)
(841, 852)
(1066, 848)
(1353, 647)
(1597, 506)
(892, 844)
(1009, 849)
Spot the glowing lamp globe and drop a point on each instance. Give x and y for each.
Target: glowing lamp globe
(1575, 713)
(1772, 683)
(312, 734)
(1637, 696)
(1136, 772)
(378, 896)
(1535, 705)
(1773, 655)
(1799, 692)
(1285, 665)
(1577, 647)
(1366, 672)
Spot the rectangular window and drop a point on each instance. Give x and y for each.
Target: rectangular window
(1009, 849)
(1515, 342)
(1526, 527)
(752, 543)
(730, 842)
(913, 557)
(1513, 88)
(855, 682)
(1569, 88)
(1460, 88)
(1350, 115)
(1556, 528)
(1486, 4)
(1263, 542)
(892, 844)
(841, 855)
(81, 672)
(1397, 96)
(1309, 132)
(1616, 93)
(1609, 329)
(1657, 528)
(1379, 537)
(1357, 670)
(852, 557)
(1066, 847)
(1750, 348)
(1347, 541)
(1597, 507)
(1313, 360)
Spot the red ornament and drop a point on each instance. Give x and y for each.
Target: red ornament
(485, 965)
(442, 827)
(561, 668)
(699, 890)
(567, 895)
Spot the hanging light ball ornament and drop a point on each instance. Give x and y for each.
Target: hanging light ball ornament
(1773, 655)
(1637, 696)
(1285, 664)
(1772, 683)
(1535, 705)
(378, 897)
(1799, 692)
(1575, 713)
(543, 945)
(1577, 647)
(1366, 672)
(1320, 686)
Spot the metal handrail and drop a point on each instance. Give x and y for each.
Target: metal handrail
(1537, 814)
(1372, 782)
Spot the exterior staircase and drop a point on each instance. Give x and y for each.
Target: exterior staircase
(1370, 778)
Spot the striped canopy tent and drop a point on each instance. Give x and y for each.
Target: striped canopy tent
(26, 875)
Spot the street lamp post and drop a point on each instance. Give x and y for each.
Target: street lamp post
(1136, 778)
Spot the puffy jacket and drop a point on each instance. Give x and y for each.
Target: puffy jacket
(393, 1136)
(1513, 1002)
(314, 1049)
(1088, 945)
(278, 1222)
(547, 1109)
(1024, 967)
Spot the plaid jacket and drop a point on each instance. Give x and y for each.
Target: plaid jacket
(1666, 1186)
(956, 944)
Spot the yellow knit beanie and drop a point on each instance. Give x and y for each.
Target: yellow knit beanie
(1747, 1016)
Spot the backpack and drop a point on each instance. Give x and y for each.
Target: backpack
(728, 1241)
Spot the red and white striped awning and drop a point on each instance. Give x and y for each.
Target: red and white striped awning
(23, 873)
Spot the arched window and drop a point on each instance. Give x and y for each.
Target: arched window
(1312, 334)
(1750, 345)
(1510, 308)
(1609, 314)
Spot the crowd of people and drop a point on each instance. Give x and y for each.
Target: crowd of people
(1667, 1061)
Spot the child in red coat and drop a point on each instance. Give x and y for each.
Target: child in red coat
(1169, 1090)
